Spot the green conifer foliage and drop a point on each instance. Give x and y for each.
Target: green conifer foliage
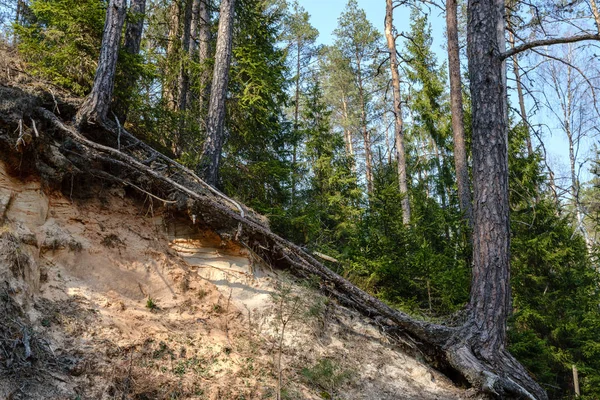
(62, 41)
(556, 297)
(328, 211)
(256, 165)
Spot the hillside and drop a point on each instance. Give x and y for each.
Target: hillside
(117, 298)
(108, 293)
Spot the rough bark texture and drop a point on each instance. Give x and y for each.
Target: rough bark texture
(480, 344)
(398, 121)
(96, 105)
(456, 107)
(215, 123)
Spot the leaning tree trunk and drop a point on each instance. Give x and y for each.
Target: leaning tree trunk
(215, 123)
(96, 105)
(398, 122)
(456, 107)
(483, 335)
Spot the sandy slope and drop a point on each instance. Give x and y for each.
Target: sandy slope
(96, 266)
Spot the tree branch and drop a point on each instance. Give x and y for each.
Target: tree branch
(545, 42)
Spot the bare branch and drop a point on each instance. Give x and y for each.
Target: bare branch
(546, 42)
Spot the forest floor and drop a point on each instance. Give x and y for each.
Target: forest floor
(121, 300)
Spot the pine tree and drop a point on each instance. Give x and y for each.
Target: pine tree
(331, 197)
(215, 121)
(300, 37)
(359, 42)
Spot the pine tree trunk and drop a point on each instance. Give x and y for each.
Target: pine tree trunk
(97, 103)
(133, 41)
(398, 121)
(169, 86)
(135, 26)
(347, 133)
(365, 129)
(183, 77)
(456, 107)
(204, 39)
(215, 124)
(194, 27)
(484, 333)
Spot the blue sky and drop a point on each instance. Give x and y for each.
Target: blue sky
(324, 16)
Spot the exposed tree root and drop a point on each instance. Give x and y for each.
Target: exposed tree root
(453, 349)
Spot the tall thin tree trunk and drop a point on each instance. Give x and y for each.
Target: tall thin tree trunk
(215, 138)
(490, 294)
(365, 129)
(96, 105)
(456, 106)
(204, 39)
(521, 97)
(183, 76)
(296, 118)
(398, 121)
(347, 133)
(169, 86)
(133, 41)
(194, 27)
(135, 26)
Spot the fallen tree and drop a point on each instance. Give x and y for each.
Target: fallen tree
(66, 155)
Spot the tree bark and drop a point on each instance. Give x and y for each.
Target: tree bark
(456, 106)
(365, 129)
(596, 14)
(484, 332)
(135, 26)
(133, 41)
(183, 82)
(398, 121)
(215, 124)
(204, 39)
(97, 103)
(170, 82)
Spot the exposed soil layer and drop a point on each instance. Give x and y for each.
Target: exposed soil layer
(113, 297)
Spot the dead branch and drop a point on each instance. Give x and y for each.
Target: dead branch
(546, 42)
